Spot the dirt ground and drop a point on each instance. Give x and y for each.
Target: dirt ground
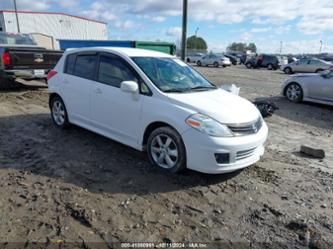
(77, 187)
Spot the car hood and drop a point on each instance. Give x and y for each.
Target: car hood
(218, 104)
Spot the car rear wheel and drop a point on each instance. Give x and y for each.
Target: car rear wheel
(294, 92)
(216, 64)
(59, 112)
(199, 63)
(248, 65)
(166, 149)
(287, 70)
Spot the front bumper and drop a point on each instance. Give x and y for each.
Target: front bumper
(201, 150)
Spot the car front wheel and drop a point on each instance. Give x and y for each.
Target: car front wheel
(166, 149)
(294, 92)
(59, 112)
(199, 63)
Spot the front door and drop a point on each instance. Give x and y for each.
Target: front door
(116, 113)
(322, 89)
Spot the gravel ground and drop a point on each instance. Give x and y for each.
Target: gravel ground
(77, 187)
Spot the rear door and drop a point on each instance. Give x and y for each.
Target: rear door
(79, 71)
(114, 112)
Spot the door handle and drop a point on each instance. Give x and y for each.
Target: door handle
(98, 91)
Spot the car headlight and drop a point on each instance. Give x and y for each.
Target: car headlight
(208, 125)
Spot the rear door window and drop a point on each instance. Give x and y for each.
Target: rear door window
(85, 66)
(70, 63)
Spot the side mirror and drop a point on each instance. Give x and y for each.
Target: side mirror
(129, 86)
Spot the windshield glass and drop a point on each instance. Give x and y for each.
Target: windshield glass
(16, 39)
(172, 75)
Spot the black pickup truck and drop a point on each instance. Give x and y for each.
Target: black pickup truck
(20, 57)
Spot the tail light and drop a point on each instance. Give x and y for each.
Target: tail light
(51, 74)
(6, 59)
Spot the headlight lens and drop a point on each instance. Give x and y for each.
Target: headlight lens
(208, 125)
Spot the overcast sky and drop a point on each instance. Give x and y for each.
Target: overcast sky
(300, 24)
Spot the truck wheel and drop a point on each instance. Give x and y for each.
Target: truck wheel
(166, 149)
(7, 84)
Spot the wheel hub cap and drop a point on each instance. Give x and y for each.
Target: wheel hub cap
(164, 151)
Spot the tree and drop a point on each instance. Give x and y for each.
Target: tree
(252, 46)
(242, 47)
(196, 43)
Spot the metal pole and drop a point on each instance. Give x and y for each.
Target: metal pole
(17, 19)
(321, 47)
(184, 31)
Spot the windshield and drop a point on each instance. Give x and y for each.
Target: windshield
(16, 39)
(172, 75)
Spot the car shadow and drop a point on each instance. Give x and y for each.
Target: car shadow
(32, 143)
(313, 114)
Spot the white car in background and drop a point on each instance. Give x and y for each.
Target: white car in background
(214, 60)
(310, 87)
(154, 102)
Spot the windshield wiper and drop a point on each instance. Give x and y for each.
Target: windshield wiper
(177, 90)
(203, 87)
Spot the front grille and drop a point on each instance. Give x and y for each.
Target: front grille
(246, 129)
(245, 154)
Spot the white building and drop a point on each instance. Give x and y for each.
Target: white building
(53, 25)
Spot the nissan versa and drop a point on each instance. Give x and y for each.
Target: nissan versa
(154, 102)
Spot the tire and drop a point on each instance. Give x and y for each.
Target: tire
(248, 65)
(166, 149)
(8, 84)
(319, 70)
(294, 92)
(216, 64)
(288, 70)
(199, 63)
(270, 67)
(188, 60)
(59, 113)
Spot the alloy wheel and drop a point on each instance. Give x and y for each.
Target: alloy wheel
(294, 92)
(58, 113)
(164, 151)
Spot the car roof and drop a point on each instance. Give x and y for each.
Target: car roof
(130, 52)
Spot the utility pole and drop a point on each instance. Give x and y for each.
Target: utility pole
(17, 19)
(321, 47)
(281, 45)
(184, 30)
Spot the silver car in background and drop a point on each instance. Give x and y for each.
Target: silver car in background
(310, 87)
(307, 65)
(214, 60)
(193, 58)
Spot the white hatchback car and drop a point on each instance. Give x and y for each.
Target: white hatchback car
(154, 102)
